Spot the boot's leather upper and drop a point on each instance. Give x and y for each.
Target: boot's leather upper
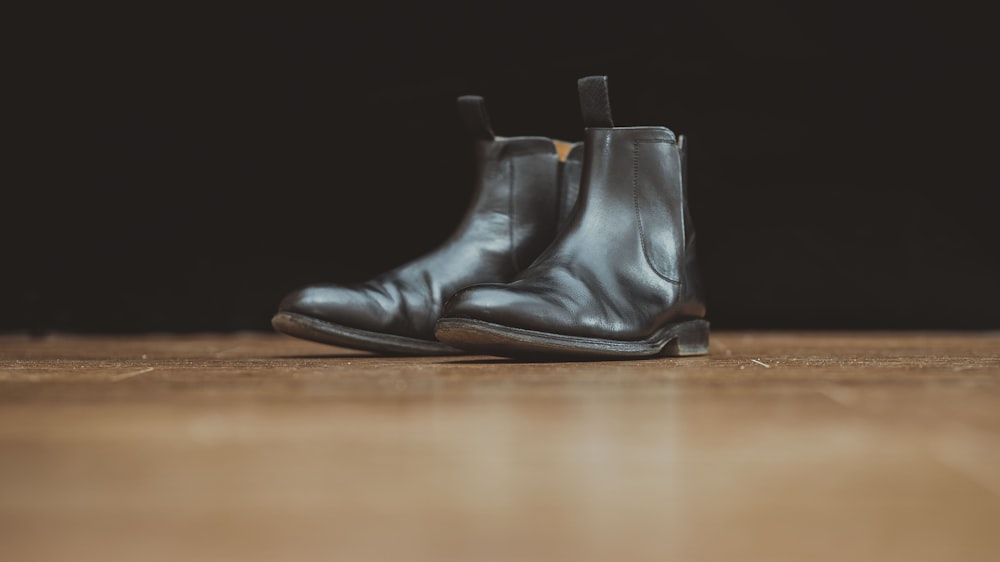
(625, 264)
(520, 189)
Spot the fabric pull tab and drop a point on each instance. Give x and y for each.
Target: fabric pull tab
(477, 120)
(594, 102)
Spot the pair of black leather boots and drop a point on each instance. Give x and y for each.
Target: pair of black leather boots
(567, 251)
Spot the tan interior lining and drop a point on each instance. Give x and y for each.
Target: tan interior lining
(562, 149)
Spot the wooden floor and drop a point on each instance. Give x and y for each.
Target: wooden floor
(801, 447)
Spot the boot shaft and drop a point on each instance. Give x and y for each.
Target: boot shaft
(570, 172)
(631, 189)
(521, 193)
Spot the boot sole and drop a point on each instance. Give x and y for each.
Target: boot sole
(321, 331)
(679, 339)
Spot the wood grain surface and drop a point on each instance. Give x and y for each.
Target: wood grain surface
(777, 446)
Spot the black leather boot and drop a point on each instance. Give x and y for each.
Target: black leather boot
(621, 280)
(523, 189)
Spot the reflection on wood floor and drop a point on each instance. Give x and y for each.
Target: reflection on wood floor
(250, 447)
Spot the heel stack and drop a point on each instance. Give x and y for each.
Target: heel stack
(689, 338)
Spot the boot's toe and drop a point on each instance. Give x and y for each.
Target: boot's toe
(336, 304)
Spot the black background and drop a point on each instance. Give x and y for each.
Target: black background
(182, 170)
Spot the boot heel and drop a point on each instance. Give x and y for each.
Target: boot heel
(690, 338)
